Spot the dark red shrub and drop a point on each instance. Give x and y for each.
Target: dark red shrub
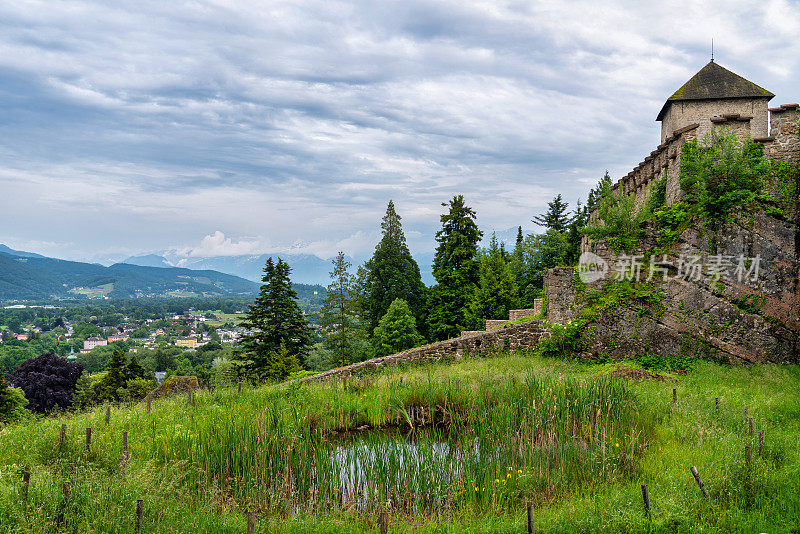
(47, 380)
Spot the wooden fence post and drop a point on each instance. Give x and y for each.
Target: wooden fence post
(88, 439)
(139, 515)
(149, 400)
(384, 523)
(531, 518)
(26, 480)
(750, 425)
(108, 414)
(674, 395)
(747, 454)
(760, 443)
(65, 500)
(716, 403)
(191, 396)
(62, 437)
(240, 387)
(251, 522)
(699, 481)
(646, 499)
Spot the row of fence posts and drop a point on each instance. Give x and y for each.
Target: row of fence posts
(251, 517)
(693, 469)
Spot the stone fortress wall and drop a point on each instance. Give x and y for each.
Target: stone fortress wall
(699, 311)
(665, 159)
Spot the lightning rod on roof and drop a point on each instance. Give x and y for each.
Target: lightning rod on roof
(712, 49)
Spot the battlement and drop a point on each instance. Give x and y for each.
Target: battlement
(664, 161)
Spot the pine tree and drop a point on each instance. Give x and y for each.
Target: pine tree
(497, 292)
(390, 274)
(274, 318)
(397, 330)
(556, 217)
(455, 267)
(339, 315)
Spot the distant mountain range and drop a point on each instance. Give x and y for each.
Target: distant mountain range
(306, 268)
(28, 276)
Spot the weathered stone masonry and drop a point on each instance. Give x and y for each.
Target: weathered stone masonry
(523, 335)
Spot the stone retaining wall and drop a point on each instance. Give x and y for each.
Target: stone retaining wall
(518, 336)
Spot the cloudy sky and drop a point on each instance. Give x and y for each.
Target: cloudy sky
(225, 127)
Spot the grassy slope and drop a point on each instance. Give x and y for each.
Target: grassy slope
(688, 433)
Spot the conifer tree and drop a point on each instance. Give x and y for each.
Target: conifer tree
(455, 267)
(134, 370)
(497, 292)
(116, 377)
(556, 217)
(280, 363)
(7, 400)
(390, 274)
(339, 316)
(274, 318)
(397, 330)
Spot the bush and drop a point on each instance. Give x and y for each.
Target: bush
(620, 221)
(48, 381)
(722, 173)
(565, 340)
(12, 403)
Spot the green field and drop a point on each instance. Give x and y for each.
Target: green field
(223, 318)
(452, 447)
(94, 292)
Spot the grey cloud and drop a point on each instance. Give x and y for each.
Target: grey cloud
(299, 120)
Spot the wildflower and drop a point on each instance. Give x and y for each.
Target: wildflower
(617, 444)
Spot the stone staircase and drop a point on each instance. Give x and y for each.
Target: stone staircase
(513, 315)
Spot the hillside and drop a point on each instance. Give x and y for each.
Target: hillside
(576, 439)
(27, 278)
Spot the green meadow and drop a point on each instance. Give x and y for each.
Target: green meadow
(458, 446)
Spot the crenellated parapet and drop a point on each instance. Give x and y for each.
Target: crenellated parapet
(664, 161)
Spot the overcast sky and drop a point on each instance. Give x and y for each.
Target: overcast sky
(219, 128)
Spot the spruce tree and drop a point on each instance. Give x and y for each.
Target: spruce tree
(397, 330)
(339, 316)
(556, 217)
(274, 318)
(455, 267)
(280, 363)
(497, 292)
(116, 375)
(390, 274)
(134, 370)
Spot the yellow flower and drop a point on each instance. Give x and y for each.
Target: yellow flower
(496, 481)
(617, 444)
(476, 488)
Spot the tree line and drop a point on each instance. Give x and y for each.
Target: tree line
(385, 307)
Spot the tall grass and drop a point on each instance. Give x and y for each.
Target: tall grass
(464, 445)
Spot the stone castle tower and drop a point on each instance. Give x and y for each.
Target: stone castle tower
(713, 99)
(715, 92)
